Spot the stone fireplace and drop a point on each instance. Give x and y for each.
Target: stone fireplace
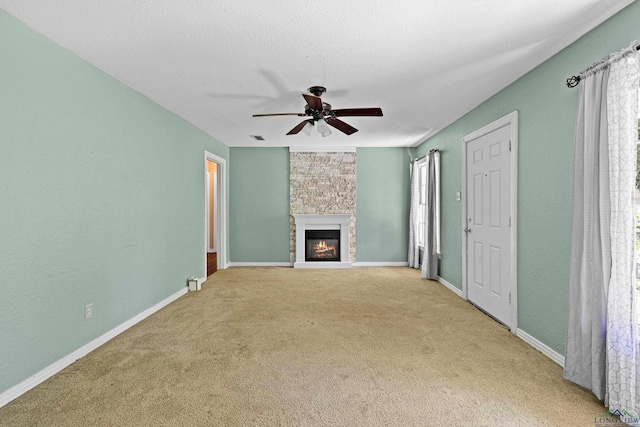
(322, 186)
(322, 241)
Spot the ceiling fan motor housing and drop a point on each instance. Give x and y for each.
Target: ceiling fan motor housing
(317, 114)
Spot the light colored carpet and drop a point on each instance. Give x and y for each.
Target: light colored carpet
(290, 347)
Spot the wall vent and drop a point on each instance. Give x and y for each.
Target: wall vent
(257, 137)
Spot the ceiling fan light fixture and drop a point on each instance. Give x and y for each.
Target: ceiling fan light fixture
(323, 128)
(307, 128)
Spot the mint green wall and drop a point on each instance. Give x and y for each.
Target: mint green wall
(547, 110)
(382, 204)
(259, 203)
(102, 202)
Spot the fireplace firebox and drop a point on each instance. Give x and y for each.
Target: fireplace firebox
(322, 245)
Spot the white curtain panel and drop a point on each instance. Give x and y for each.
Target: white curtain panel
(432, 223)
(585, 354)
(623, 382)
(414, 249)
(602, 349)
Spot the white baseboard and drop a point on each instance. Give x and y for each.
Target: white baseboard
(260, 264)
(380, 264)
(541, 347)
(59, 365)
(533, 342)
(450, 287)
(290, 264)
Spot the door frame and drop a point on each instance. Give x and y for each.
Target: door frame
(216, 215)
(221, 225)
(207, 211)
(510, 119)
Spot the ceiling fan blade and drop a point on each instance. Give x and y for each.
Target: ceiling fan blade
(315, 103)
(341, 126)
(299, 127)
(344, 112)
(279, 114)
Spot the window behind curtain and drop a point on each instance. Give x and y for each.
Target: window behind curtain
(422, 203)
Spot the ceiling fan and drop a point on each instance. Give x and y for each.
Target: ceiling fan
(322, 113)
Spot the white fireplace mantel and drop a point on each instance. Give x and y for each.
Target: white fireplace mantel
(322, 222)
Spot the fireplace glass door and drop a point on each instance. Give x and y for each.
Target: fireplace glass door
(322, 245)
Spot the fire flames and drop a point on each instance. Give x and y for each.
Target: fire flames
(322, 250)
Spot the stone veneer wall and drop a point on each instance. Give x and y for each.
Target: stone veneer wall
(322, 183)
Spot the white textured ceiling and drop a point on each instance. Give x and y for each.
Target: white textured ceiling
(215, 63)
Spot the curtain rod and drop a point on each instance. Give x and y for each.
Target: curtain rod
(430, 151)
(573, 81)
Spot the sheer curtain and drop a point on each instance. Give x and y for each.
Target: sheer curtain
(623, 383)
(414, 248)
(602, 332)
(431, 250)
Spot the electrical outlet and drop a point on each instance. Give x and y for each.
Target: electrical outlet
(88, 311)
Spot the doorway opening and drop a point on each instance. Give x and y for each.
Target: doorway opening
(215, 213)
(212, 217)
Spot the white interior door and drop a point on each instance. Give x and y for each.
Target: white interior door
(488, 222)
